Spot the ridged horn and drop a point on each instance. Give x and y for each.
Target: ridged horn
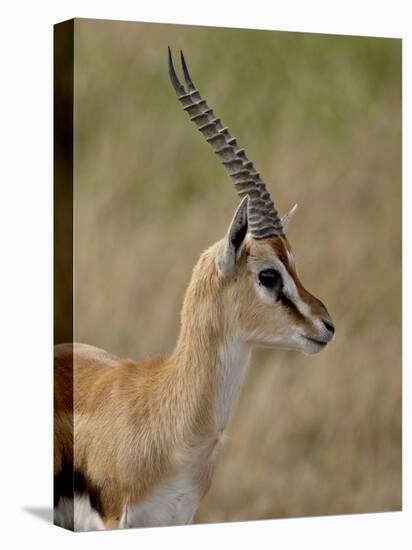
(263, 218)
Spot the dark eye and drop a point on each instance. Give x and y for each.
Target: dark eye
(271, 279)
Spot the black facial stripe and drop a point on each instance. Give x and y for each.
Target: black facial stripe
(287, 302)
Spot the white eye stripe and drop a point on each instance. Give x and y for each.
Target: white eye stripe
(289, 286)
(288, 282)
(291, 290)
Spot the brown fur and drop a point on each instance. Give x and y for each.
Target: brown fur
(281, 246)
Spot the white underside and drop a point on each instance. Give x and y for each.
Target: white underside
(172, 503)
(80, 517)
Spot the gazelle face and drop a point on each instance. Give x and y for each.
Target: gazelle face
(273, 307)
(267, 302)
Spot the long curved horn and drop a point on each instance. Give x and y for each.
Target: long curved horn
(263, 218)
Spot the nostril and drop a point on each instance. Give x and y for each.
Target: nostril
(329, 326)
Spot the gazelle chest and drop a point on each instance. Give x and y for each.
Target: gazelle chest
(172, 502)
(175, 499)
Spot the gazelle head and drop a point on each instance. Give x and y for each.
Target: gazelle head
(264, 297)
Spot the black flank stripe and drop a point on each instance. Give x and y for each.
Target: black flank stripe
(84, 486)
(63, 483)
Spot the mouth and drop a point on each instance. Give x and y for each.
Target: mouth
(317, 341)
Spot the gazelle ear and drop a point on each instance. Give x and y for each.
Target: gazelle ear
(286, 219)
(234, 239)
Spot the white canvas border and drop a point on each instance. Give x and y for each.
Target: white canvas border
(26, 272)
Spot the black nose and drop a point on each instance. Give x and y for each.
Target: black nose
(329, 326)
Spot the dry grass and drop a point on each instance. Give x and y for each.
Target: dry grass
(321, 117)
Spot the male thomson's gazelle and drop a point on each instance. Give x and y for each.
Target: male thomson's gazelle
(146, 434)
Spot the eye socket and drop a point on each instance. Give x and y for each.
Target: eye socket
(271, 278)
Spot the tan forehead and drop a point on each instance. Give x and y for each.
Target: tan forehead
(268, 248)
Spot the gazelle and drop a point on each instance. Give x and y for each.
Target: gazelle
(146, 434)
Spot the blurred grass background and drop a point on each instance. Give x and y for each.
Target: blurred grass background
(321, 118)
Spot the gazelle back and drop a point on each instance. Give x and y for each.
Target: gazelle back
(146, 434)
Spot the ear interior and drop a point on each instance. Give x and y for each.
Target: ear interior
(234, 240)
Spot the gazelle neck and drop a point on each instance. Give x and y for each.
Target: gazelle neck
(210, 358)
